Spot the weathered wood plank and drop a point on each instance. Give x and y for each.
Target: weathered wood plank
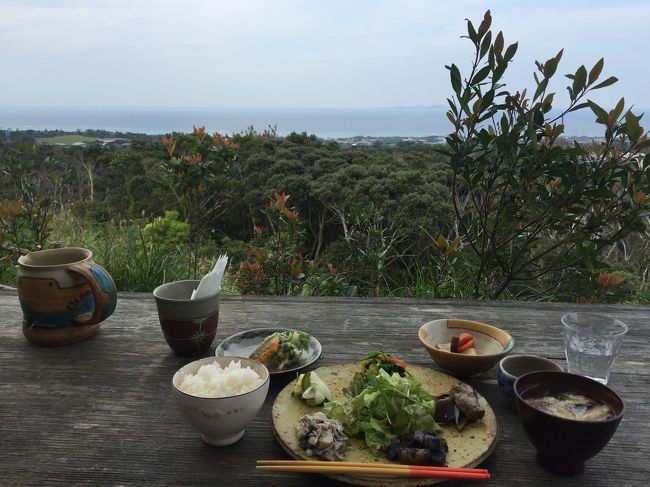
(101, 411)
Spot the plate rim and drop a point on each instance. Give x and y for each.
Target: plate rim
(293, 368)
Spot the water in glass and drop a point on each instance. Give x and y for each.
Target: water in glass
(591, 344)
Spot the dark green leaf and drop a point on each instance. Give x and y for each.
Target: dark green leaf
(550, 67)
(452, 119)
(609, 81)
(485, 44)
(616, 113)
(485, 25)
(472, 32)
(477, 105)
(510, 52)
(498, 43)
(481, 75)
(579, 80)
(452, 106)
(455, 78)
(491, 58)
(498, 72)
(596, 70)
(488, 98)
(579, 106)
(504, 124)
(601, 114)
(540, 88)
(548, 102)
(633, 128)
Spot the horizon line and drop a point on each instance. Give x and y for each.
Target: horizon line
(215, 107)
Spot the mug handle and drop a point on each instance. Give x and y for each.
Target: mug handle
(102, 287)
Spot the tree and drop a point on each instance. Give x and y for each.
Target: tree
(198, 172)
(527, 204)
(26, 203)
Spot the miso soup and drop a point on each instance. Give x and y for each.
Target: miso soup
(567, 403)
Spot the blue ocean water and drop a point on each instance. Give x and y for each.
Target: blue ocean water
(323, 122)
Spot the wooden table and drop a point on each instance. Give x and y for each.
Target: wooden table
(101, 411)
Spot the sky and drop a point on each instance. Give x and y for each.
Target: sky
(291, 53)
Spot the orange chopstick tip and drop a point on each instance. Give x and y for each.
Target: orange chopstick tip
(457, 474)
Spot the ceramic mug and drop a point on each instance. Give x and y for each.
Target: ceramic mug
(64, 295)
(188, 325)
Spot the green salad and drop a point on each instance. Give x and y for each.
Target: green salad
(383, 405)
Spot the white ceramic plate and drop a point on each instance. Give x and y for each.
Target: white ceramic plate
(244, 343)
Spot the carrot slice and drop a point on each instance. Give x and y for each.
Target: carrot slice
(464, 338)
(466, 346)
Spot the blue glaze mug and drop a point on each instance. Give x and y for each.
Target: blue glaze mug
(64, 295)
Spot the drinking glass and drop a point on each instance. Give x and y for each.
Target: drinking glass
(591, 343)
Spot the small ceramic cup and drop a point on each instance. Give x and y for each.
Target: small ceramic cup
(512, 367)
(189, 325)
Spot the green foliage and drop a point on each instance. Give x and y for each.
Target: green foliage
(369, 219)
(167, 230)
(526, 204)
(198, 172)
(25, 206)
(276, 265)
(327, 282)
(135, 263)
(371, 246)
(443, 277)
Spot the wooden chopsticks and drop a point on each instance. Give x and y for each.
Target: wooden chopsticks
(373, 469)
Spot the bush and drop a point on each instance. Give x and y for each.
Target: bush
(167, 231)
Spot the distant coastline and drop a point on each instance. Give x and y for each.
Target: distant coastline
(326, 123)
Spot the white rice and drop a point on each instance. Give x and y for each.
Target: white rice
(211, 380)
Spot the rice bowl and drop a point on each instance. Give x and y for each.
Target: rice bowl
(221, 420)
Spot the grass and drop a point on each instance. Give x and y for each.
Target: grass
(66, 139)
(134, 264)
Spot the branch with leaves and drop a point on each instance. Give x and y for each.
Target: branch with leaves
(537, 204)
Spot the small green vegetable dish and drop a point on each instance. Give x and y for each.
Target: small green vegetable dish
(282, 349)
(312, 389)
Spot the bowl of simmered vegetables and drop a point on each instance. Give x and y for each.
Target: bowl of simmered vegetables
(463, 347)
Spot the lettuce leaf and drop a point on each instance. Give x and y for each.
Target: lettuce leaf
(390, 405)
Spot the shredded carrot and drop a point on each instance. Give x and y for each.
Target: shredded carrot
(398, 361)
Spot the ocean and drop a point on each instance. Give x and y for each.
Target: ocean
(329, 123)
